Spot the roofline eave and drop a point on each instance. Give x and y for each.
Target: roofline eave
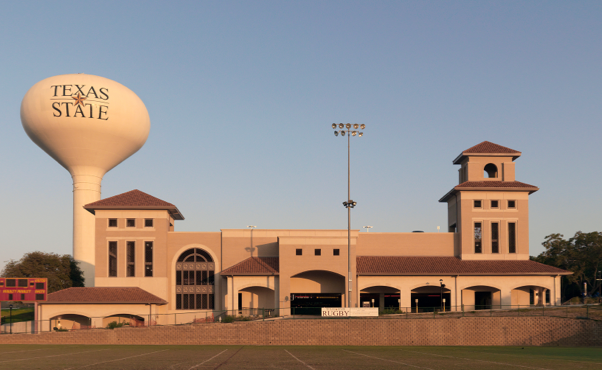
(448, 273)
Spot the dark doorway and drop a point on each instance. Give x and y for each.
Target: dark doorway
(429, 302)
(391, 300)
(482, 300)
(311, 304)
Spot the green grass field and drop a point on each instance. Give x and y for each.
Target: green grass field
(298, 357)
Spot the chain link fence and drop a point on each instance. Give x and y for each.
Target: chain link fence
(77, 322)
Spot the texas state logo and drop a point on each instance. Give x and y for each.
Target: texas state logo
(80, 101)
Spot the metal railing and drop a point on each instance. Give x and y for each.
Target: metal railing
(74, 322)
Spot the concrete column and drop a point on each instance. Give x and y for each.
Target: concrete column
(405, 299)
(556, 298)
(506, 298)
(540, 298)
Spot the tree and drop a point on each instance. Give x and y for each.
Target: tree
(581, 254)
(61, 271)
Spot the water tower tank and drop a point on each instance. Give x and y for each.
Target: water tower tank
(88, 124)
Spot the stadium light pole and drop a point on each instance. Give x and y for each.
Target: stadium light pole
(346, 129)
(251, 227)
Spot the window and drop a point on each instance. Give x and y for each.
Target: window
(512, 237)
(148, 259)
(112, 222)
(495, 246)
(336, 252)
(131, 258)
(11, 283)
(478, 248)
(318, 252)
(511, 204)
(547, 296)
(495, 204)
(113, 259)
(477, 204)
(299, 252)
(148, 222)
(194, 281)
(131, 222)
(491, 171)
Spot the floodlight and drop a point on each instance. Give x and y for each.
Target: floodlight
(343, 133)
(336, 133)
(355, 126)
(363, 126)
(334, 125)
(341, 125)
(361, 134)
(353, 133)
(348, 125)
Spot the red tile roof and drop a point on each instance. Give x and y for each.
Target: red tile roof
(117, 295)
(490, 185)
(495, 184)
(134, 199)
(392, 265)
(254, 266)
(487, 147)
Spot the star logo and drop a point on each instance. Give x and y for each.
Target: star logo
(79, 100)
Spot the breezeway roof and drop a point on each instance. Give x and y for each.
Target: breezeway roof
(394, 265)
(103, 295)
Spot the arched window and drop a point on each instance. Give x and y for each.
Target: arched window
(194, 280)
(491, 171)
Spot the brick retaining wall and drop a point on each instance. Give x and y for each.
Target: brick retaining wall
(501, 331)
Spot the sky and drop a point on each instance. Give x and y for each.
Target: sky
(242, 95)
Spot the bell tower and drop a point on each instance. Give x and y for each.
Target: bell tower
(489, 210)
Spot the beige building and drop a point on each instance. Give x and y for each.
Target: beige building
(482, 259)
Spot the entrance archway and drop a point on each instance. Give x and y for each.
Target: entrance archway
(312, 290)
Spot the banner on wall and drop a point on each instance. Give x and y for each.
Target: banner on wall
(349, 311)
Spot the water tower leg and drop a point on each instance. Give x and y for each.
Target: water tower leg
(86, 189)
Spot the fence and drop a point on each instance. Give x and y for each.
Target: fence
(71, 323)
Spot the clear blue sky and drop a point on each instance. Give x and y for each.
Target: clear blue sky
(242, 94)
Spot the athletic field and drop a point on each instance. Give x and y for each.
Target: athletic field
(297, 358)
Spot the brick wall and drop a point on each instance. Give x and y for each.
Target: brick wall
(501, 331)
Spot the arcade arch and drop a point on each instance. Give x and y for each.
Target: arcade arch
(481, 297)
(383, 297)
(531, 295)
(428, 298)
(70, 322)
(126, 319)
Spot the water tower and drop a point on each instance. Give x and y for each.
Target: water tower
(89, 124)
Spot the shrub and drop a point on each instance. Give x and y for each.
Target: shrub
(115, 324)
(228, 318)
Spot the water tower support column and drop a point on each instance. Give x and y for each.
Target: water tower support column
(86, 189)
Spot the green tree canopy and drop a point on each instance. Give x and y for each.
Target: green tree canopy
(581, 254)
(61, 271)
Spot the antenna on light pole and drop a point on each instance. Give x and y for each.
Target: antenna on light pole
(349, 130)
